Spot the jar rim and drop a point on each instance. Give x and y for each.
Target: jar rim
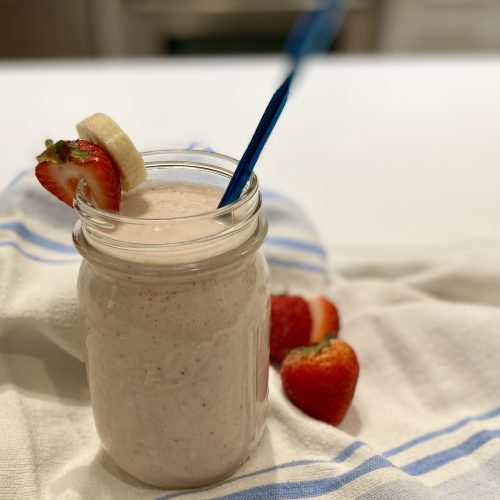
(84, 207)
(237, 228)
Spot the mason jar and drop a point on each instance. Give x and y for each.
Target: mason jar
(174, 323)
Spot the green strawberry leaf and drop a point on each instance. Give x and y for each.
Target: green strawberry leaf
(80, 153)
(58, 146)
(314, 348)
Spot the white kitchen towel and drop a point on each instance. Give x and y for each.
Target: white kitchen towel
(425, 420)
(39, 265)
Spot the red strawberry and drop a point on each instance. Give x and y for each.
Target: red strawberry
(320, 379)
(290, 324)
(325, 319)
(63, 164)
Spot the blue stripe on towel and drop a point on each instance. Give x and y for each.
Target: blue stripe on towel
(207, 148)
(269, 194)
(296, 245)
(341, 457)
(317, 487)
(309, 488)
(287, 465)
(436, 460)
(446, 430)
(273, 195)
(348, 452)
(35, 257)
(344, 455)
(21, 230)
(416, 468)
(49, 244)
(303, 266)
(16, 179)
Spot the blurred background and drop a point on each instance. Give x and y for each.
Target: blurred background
(132, 28)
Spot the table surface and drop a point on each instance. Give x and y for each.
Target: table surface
(377, 151)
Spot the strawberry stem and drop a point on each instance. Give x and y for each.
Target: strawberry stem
(314, 348)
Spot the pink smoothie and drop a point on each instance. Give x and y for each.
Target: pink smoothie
(177, 362)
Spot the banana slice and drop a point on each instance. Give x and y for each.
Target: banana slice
(103, 131)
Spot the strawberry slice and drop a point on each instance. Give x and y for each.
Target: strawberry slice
(63, 164)
(325, 318)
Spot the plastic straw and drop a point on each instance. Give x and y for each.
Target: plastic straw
(313, 32)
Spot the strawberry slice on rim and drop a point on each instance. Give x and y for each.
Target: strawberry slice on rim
(65, 163)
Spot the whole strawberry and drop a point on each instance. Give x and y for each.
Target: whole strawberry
(320, 379)
(290, 324)
(63, 164)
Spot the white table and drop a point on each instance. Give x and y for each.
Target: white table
(396, 153)
(377, 151)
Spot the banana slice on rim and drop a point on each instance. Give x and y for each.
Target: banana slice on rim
(103, 131)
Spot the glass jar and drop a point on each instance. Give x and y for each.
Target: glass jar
(174, 321)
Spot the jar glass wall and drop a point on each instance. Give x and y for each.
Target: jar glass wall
(174, 319)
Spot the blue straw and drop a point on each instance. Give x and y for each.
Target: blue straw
(313, 32)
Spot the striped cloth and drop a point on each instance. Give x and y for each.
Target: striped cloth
(425, 420)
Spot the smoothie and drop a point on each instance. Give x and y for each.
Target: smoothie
(176, 356)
